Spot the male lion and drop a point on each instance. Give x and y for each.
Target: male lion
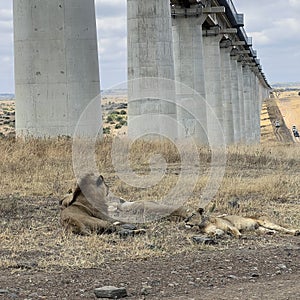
(78, 215)
(232, 224)
(86, 209)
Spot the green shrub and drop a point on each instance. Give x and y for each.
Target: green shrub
(106, 130)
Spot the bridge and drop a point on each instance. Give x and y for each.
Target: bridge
(212, 77)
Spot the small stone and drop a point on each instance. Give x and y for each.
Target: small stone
(282, 266)
(145, 290)
(110, 292)
(232, 276)
(204, 240)
(253, 275)
(129, 226)
(4, 291)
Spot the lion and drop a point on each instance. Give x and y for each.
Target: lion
(90, 207)
(78, 215)
(233, 224)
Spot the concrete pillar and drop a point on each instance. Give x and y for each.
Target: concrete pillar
(241, 100)
(228, 116)
(258, 108)
(254, 105)
(251, 108)
(247, 102)
(213, 86)
(235, 97)
(150, 55)
(189, 71)
(56, 66)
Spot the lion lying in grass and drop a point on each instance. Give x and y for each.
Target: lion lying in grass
(86, 208)
(233, 224)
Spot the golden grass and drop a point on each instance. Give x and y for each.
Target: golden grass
(289, 105)
(36, 174)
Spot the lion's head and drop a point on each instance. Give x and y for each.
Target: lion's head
(196, 220)
(90, 191)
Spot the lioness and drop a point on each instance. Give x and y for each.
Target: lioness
(91, 208)
(232, 224)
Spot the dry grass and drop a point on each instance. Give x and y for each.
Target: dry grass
(35, 174)
(289, 104)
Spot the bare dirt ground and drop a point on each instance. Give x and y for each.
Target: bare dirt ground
(248, 272)
(289, 104)
(283, 133)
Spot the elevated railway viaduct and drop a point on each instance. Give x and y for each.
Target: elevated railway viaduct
(197, 54)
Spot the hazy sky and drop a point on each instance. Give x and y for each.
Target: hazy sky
(273, 24)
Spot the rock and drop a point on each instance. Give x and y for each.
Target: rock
(129, 226)
(110, 292)
(124, 233)
(145, 290)
(282, 266)
(234, 203)
(3, 292)
(198, 239)
(26, 265)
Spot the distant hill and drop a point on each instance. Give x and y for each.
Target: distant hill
(286, 85)
(7, 96)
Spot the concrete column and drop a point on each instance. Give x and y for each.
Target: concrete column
(56, 66)
(213, 86)
(235, 98)
(241, 100)
(251, 108)
(189, 71)
(254, 105)
(247, 103)
(150, 54)
(258, 108)
(228, 116)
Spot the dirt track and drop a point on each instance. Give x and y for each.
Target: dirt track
(243, 271)
(282, 133)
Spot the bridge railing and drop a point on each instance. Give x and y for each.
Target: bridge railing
(236, 18)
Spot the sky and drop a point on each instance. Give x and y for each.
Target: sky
(273, 24)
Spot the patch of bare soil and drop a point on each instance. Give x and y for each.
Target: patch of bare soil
(282, 133)
(243, 271)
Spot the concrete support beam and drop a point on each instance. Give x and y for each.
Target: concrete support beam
(247, 103)
(150, 54)
(189, 71)
(241, 101)
(213, 86)
(236, 109)
(253, 104)
(217, 31)
(228, 123)
(56, 66)
(214, 10)
(257, 108)
(239, 43)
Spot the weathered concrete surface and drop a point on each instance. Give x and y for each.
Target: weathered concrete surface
(213, 88)
(226, 92)
(150, 55)
(189, 71)
(56, 66)
(236, 109)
